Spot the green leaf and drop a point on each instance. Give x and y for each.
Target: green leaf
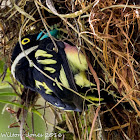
(7, 94)
(12, 103)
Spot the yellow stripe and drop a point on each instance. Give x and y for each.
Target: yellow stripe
(43, 54)
(82, 80)
(94, 98)
(51, 70)
(43, 84)
(47, 61)
(63, 77)
(57, 83)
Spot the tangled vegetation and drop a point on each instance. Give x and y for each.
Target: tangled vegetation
(108, 33)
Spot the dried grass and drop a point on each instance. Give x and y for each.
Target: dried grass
(109, 32)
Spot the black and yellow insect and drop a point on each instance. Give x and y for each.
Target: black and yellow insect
(66, 66)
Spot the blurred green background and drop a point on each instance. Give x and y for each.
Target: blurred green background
(7, 119)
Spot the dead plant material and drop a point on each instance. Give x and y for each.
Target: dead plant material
(109, 33)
